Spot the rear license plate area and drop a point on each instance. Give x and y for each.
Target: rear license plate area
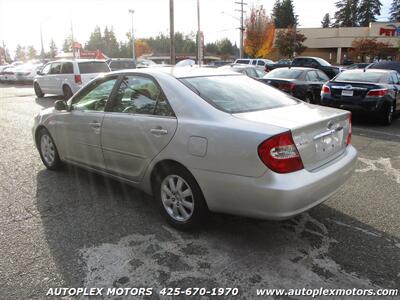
(347, 93)
(328, 143)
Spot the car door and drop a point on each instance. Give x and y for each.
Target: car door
(396, 81)
(53, 77)
(315, 83)
(138, 126)
(43, 79)
(79, 129)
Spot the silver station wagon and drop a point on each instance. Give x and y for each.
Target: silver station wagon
(202, 140)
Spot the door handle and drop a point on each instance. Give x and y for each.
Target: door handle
(159, 131)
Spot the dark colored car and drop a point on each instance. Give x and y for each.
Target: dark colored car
(283, 63)
(357, 66)
(248, 70)
(302, 83)
(386, 65)
(370, 91)
(316, 63)
(116, 64)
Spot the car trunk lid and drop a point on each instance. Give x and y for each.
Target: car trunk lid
(350, 91)
(320, 133)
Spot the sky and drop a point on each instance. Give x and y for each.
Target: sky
(20, 20)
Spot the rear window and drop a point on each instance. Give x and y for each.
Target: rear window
(93, 67)
(242, 61)
(122, 64)
(236, 94)
(284, 73)
(373, 77)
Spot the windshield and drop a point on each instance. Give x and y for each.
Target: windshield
(93, 67)
(373, 77)
(235, 94)
(284, 73)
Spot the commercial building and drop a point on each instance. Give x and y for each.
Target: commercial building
(333, 44)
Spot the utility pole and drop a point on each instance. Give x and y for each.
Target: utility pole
(131, 11)
(241, 28)
(72, 40)
(199, 38)
(172, 32)
(41, 42)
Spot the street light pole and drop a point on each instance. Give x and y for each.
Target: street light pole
(172, 32)
(199, 39)
(41, 42)
(131, 11)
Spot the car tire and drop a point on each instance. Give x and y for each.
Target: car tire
(180, 198)
(309, 98)
(67, 92)
(48, 150)
(38, 90)
(388, 114)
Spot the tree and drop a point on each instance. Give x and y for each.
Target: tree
(211, 48)
(67, 45)
(110, 43)
(53, 50)
(260, 32)
(361, 48)
(283, 14)
(368, 10)
(32, 53)
(326, 21)
(395, 11)
(347, 13)
(141, 47)
(20, 53)
(290, 41)
(95, 41)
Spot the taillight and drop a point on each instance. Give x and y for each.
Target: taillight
(377, 93)
(286, 86)
(325, 90)
(78, 79)
(280, 154)
(350, 130)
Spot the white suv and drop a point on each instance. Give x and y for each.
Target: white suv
(66, 77)
(257, 62)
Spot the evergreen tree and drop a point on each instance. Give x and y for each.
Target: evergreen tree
(32, 53)
(95, 41)
(326, 21)
(368, 10)
(67, 45)
(290, 42)
(395, 11)
(111, 47)
(20, 54)
(347, 13)
(53, 49)
(283, 14)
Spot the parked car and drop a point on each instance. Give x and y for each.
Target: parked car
(26, 73)
(259, 62)
(316, 63)
(386, 65)
(66, 77)
(249, 70)
(357, 66)
(7, 74)
(144, 63)
(302, 83)
(202, 139)
(116, 64)
(282, 63)
(370, 91)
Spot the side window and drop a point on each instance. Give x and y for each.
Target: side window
(397, 75)
(322, 76)
(312, 76)
(261, 63)
(393, 79)
(95, 96)
(251, 72)
(55, 68)
(141, 95)
(298, 62)
(67, 68)
(254, 62)
(46, 69)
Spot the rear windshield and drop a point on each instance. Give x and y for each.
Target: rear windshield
(93, 67)
(284, 73)
(235, 94)
(122, 64)
(373, 77)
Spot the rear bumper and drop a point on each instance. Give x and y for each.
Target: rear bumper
(275, 196)
(368, 105)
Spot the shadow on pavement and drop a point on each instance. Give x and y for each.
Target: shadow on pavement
(100, 231)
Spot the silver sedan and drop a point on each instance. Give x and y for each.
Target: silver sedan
(202, 140)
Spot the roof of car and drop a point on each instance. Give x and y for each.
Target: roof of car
(369, 71)
(296, 68)
(78, 60)
(181, 72)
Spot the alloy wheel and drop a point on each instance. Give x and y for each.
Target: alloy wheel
(47, 148)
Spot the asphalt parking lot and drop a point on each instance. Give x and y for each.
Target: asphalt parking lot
(73, 228)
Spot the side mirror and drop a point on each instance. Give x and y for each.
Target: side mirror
(38, 73)
(60, 105)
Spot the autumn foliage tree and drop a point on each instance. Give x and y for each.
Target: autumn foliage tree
(142, 47)
(361, 48)
(290, 41)
(260, 32)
